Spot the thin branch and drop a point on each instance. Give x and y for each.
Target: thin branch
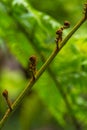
(39, 73)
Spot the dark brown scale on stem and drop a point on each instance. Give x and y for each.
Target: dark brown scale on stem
(59, 33)
(85, 10)
(32, 65)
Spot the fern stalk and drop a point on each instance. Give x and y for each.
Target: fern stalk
(40, 72)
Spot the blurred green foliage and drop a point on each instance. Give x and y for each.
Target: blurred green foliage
(25, 31)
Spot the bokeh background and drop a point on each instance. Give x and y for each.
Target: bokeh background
(58, 101)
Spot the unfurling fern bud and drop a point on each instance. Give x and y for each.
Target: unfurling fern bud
(5, 95)
(66, 24)
(59, 33)
(32, 66)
